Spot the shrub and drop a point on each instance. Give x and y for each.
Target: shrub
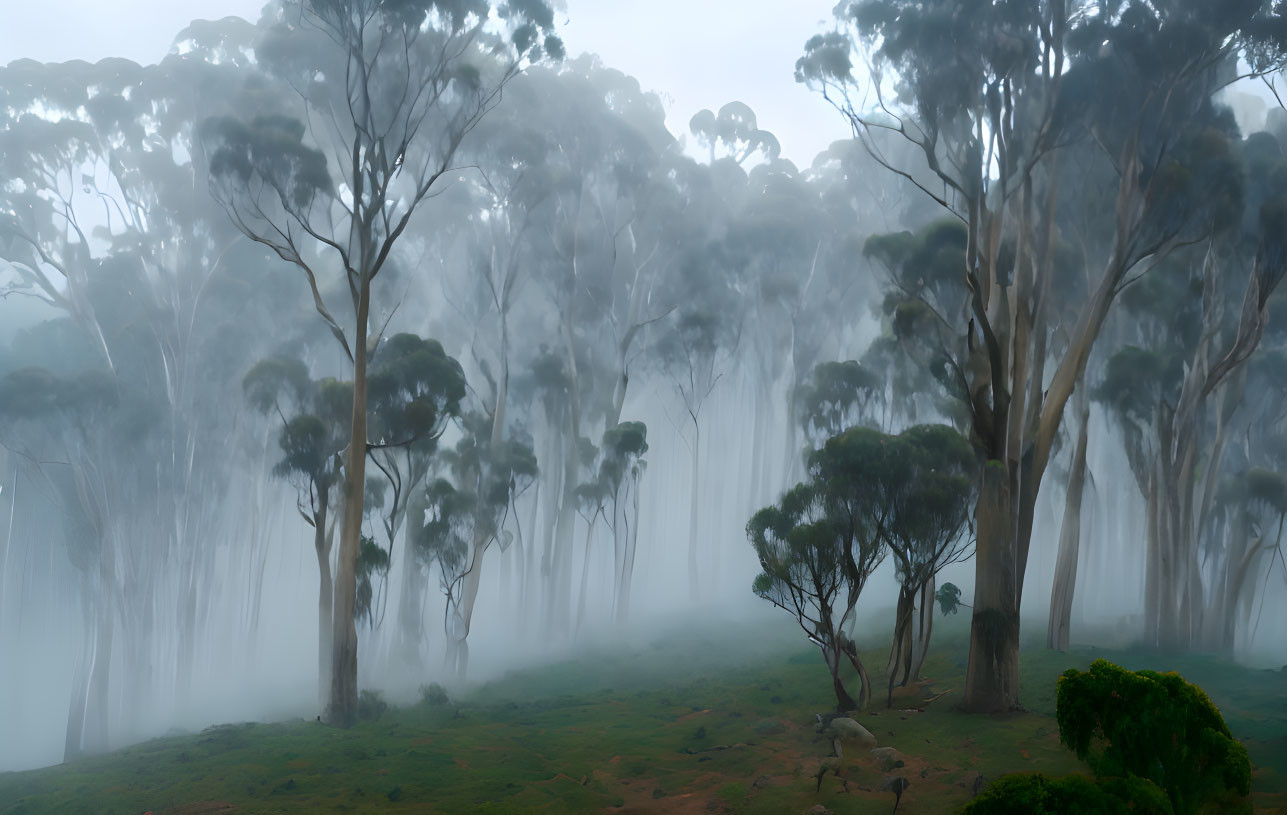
(1155, 726)
(1038, 794)
(433, 695)
(371, 705)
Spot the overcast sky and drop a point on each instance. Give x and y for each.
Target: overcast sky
(695, 53)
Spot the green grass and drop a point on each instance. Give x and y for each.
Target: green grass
(715, 720)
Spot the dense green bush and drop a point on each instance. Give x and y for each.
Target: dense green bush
(1155, 726)
(1037, 794)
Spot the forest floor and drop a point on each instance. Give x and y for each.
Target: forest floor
(699, 720)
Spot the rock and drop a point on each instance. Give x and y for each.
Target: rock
(847, 731)
(818, 809)
(896, 784)
(762, 782)
(887, 758)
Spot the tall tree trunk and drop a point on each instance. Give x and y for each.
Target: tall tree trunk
(96, 733)
(925, 617)
(992, 674)
(469, 596)
(1152, 566)
(760, 406)
(410, 621)
(585, 572)
(529, 559)
(901, 651)
(559, 603)
(325, 597)
(628, 528)
(864, 692)
(474, 577)
(1061, 595)
(693, 583)
(342, 710)
(844, 702)
(74, 741)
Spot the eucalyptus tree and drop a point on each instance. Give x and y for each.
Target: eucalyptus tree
(929, 531)
(698, 345)
(71, 422)
(417, 77)
(373, 562)
(496, 239)
(734, 134)
(313, 420)
(782, 240)
(102, 161)
(415, 389)
(802, 551)
(1179, 392)
(487, 480)
(988, 98)
(822, 542)
(623, 204)
(592, 498)
(445, 540)
(836, 396)
(621, 467)
(1247, 517)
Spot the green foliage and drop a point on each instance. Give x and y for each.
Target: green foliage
(413, 389)
(371, 705)
(1134, 380)
(949, 598)
(433, 695)
(1039, 794)
(1155, 726)
(372, 562)
(520, 731)
(836, 395)
(447, 536)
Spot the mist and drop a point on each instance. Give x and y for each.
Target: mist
(347, 352)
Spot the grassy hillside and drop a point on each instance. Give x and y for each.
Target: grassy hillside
(715, 720)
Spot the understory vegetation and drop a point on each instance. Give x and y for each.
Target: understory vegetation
(714, 719)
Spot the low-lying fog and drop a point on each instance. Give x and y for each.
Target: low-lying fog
(603, 330)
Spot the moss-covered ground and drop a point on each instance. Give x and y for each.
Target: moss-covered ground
(693, 721)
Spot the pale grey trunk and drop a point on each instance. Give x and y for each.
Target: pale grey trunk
(322, 542)
(585, 572)
(410, 617)
(1065, 582)
(342, 708)
(694, 591)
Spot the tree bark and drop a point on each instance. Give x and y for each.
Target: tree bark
(342, 710)
(1061, 595)
(864, 692)
(925, 614)
(694, 591)
(410, 622)
(95, 736)
(585, 573)
(630, 538)
(325, 597)
(992, 674)
(900, 653)
(844, 702)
